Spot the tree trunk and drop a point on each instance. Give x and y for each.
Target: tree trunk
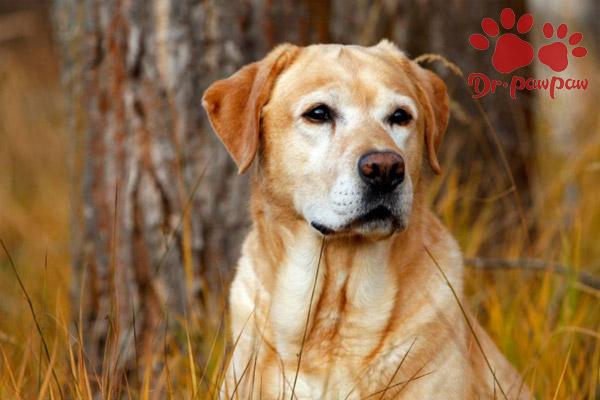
(158, 209)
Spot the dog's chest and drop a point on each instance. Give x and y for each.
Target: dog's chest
(335, 312)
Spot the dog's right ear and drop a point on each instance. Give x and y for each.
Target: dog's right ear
(234, 104)
(437, 109)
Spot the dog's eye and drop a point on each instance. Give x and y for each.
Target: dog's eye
(400, 117)
(319, 114)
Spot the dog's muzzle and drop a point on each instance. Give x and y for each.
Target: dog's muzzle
(381, 207)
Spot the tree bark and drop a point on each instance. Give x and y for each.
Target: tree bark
(158, 209)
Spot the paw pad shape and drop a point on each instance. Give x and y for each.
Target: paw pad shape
(510, 52)
(556, 54)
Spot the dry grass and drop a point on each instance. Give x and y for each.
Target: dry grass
(548, 325)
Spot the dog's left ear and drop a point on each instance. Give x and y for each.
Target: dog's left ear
(433, 96)
(435, 102)
(234, 104)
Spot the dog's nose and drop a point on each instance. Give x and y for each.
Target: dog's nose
(381, 170)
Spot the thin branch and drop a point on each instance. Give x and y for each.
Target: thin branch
(312, 295)
(237, 382)
(429, 58)
(532, 264)
(562, 374)
(397, 369)
(469, 325)
(509, 174)
(169, 243)
(413, 378)
(34, 315)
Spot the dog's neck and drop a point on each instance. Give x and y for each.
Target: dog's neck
(351, 275)
(279, 231)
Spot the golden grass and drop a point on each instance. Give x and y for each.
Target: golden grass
(547, 325)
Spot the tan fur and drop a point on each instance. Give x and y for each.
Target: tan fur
(383, 323)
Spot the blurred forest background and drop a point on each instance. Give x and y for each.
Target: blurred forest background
(123, 214)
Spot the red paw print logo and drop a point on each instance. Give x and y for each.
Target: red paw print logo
(556, 54)
(511, 52)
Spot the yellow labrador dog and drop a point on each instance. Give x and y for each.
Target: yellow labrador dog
(341, 290)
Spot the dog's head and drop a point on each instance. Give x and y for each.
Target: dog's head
(340, 131)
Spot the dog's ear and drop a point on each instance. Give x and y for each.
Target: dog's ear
(234, 104)
(433, 96)
(435, 102)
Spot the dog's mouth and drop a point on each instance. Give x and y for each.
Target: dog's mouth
(379, 213)
(378, 218)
